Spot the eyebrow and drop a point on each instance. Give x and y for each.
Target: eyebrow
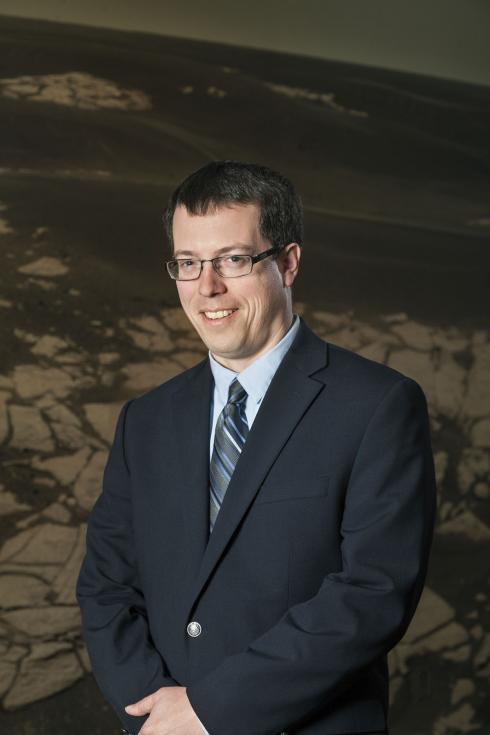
(226, 249)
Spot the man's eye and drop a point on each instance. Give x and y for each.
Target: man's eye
(234, 259)
(187, 263)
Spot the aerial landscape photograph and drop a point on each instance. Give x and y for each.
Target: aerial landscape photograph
(99, 122)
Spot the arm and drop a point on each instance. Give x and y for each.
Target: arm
(358, 614)
(125, 663)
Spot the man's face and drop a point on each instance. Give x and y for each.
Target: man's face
(259, 304)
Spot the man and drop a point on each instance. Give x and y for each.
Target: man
(262, 536)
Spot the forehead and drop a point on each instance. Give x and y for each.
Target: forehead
(218, 228)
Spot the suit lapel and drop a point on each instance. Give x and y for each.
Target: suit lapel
(191, 406)
(289, 396)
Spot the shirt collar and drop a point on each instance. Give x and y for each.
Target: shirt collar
(257, 377)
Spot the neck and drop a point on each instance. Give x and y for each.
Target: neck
(239, 364)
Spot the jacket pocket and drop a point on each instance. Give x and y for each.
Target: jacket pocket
(280, 490)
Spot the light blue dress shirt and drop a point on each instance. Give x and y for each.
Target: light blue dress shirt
(256, 378)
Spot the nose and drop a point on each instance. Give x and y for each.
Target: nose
(210, 282)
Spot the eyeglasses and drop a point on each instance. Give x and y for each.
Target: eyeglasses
(226, 266)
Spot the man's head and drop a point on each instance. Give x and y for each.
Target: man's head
(222, 183)
(232, 208)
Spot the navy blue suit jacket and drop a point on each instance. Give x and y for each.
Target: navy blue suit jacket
(315, 565)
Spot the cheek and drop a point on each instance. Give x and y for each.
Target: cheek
(262, 299)
(185, 293)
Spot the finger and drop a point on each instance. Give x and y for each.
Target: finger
(142, 707)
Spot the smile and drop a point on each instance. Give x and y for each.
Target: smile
(222, 314)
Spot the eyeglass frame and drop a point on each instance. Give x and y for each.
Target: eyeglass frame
(253, 259)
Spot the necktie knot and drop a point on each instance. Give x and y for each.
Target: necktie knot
(237, 393)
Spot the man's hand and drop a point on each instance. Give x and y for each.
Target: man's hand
(170, 713)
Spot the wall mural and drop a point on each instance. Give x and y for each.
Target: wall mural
(96, 128)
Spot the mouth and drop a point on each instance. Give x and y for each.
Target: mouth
(219, 316)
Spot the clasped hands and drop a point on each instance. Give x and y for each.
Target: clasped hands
(170, 713)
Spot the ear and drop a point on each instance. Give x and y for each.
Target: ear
(288, 262)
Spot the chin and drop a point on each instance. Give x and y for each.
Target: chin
(225, 351)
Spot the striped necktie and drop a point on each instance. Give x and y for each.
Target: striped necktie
(229, 438)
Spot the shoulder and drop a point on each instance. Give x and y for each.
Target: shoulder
(160, 396)
(369, 381)
(360, 377)
(354, 366)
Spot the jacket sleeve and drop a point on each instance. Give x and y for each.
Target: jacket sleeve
(125, 663)
(309, 657)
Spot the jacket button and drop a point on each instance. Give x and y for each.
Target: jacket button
(194, 629)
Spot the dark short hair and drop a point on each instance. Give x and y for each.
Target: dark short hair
(223, 183)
